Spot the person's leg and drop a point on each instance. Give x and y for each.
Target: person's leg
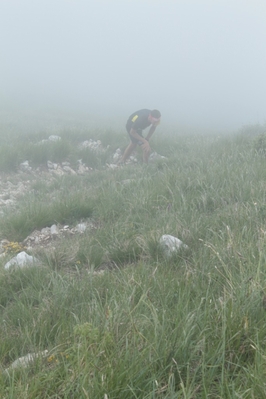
(146, 155)
(131, 147)
(128, 151)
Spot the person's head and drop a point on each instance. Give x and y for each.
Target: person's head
(154, 117)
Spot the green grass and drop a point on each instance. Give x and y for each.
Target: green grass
(121, 320)
(36, 213)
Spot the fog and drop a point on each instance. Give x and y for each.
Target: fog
(201, 63)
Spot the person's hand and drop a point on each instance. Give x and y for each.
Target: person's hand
(146, 146)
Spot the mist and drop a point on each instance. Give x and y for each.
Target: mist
(201, 63)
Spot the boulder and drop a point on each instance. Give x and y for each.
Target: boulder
(171, 244)
(22, 259)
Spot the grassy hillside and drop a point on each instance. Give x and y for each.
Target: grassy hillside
(119, 319)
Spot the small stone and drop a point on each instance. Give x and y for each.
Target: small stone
(81, 227)
(171, 244)
(25, 167)
(69, 170)
(82, 169)
(50, 165)
(54, 230)
(45, 230)
(57, 172)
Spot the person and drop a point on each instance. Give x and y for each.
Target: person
(136, 123)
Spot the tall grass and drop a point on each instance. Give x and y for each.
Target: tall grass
(121, 320)
(36, 213)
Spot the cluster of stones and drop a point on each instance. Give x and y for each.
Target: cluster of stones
(43, 237)
(9, 192)
(94, 145)
(131, 160)
(59, 170)
(64, 167)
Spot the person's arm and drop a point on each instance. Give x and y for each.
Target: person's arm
(145, 143)
(151, 131)
(134, 134)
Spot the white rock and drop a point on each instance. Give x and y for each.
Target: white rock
(57, 172)
(50, 165)
(117, 155)
(69, 170)
(132, 159)
(25, 163)
(46, 230)
(25, 166)
(21, 260)
(30, 238)
(112, 165)
(81, 227)
(26, 360)
(93, 145)
(155, 156)
(54, 137)
(54, 229)
(82, 169)
(85, 144)
(6, 202)
(171, 244)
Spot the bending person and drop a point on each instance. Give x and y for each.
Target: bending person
(136, 123)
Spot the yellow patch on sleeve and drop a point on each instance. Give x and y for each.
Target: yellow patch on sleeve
(134, 118)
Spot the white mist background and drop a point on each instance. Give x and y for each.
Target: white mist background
(201, 63)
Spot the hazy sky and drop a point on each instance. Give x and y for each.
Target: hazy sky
(199, 62)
